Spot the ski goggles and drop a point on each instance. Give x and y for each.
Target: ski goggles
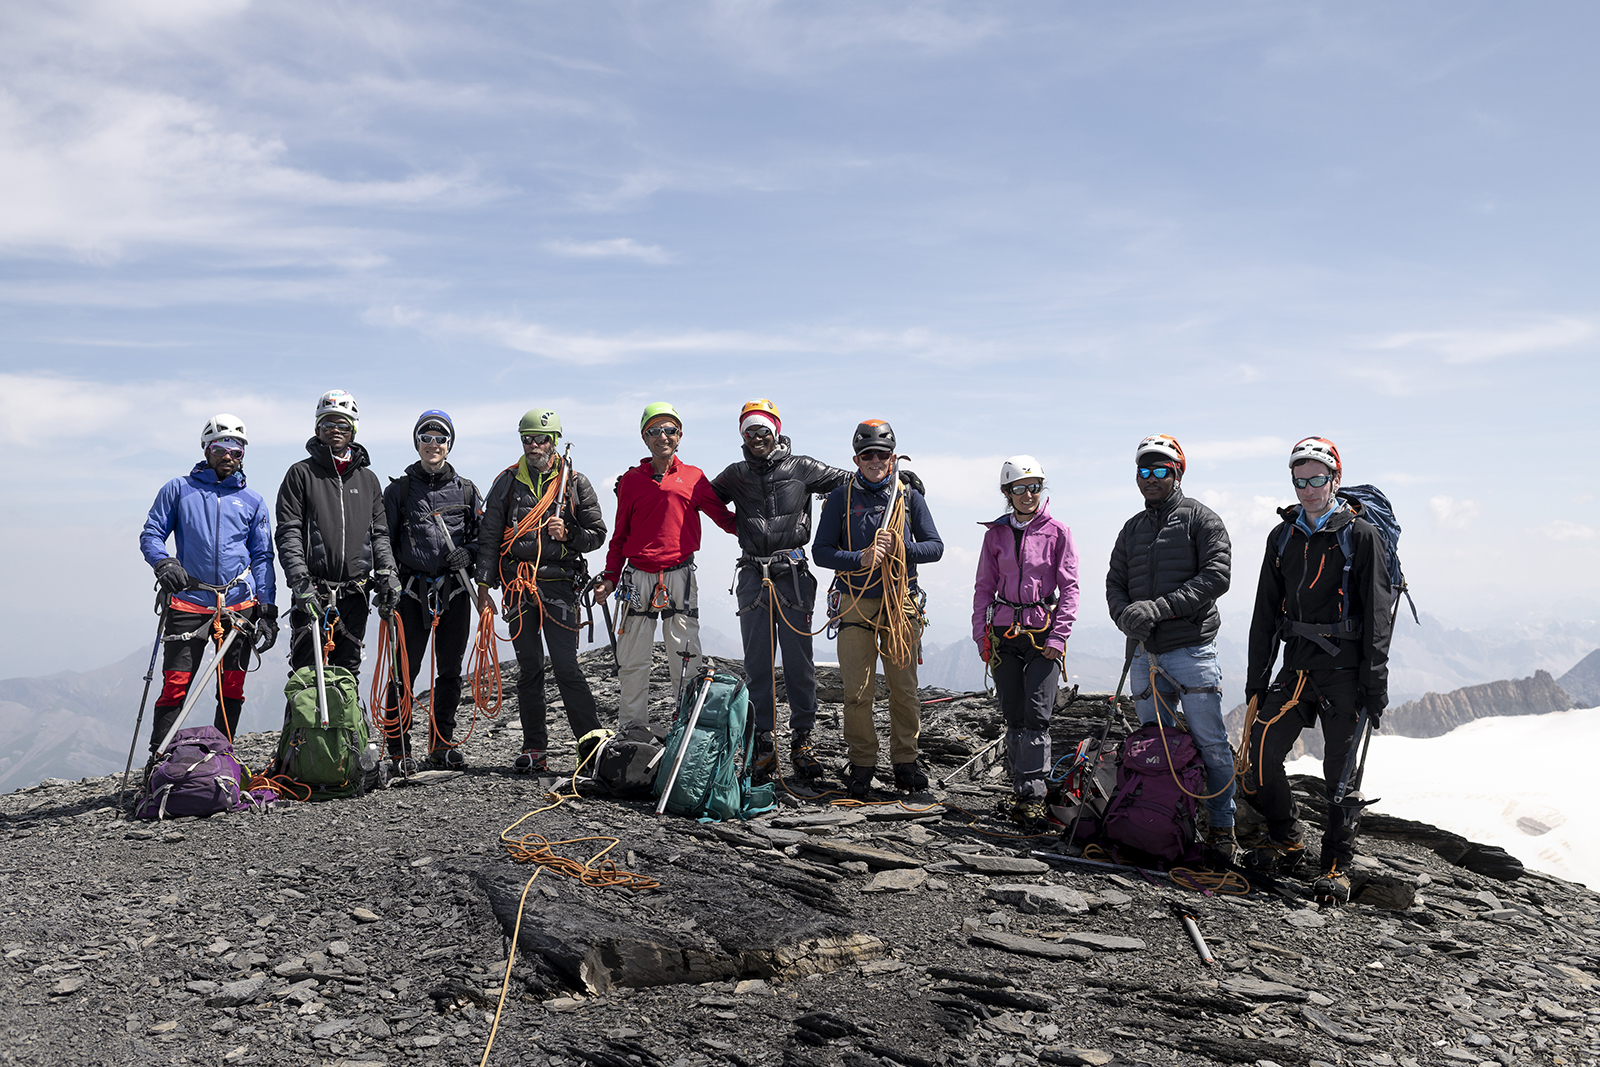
(1034, 488)
(538, 438)
(1316, 481)
(1158, 473)
(226, 447)
(433, 438)
(669, 430)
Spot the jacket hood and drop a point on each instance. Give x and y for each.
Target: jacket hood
(779, 452)
(1005, 519)
(203, 472)
(322, 456)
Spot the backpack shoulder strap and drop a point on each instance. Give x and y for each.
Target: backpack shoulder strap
(1347, 544)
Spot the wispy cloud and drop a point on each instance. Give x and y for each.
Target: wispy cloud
(614, 248)
(1247, 448)
(1565, 530)
(1477, 345)
(1453, 514)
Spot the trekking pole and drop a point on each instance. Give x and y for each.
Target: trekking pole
(450, 545)
(150, 673)
(195, 690)
(706, 675)
(1105, 728)
(316, 665)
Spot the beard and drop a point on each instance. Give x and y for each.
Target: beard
(541, 462)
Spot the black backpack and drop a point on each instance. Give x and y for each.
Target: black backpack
(1368, 502)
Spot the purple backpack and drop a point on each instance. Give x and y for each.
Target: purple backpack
(198, 776)
(1159, 778)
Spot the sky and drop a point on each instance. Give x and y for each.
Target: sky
(1038, 228)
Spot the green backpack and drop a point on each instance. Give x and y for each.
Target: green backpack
(714, 782)
(326, 760)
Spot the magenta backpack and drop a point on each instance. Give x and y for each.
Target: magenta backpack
(1154, 808)
(198, 776)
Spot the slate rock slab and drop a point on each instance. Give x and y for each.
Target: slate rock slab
(1003, 864)
(872, 857)
(1029, 946)
(1257, 989)
(1033, 899)
(1105, 942)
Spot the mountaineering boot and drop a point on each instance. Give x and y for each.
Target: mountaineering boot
(405, 766)
(858, 780)
(1222, 846)
(1280, 855)
(910, 777)
(805, 764)
(1005, 809)
(532, 761)
(1032, 816)
(454, 760)
(1333, 887)
(764, 765)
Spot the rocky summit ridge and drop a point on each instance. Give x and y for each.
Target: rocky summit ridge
(377, 931)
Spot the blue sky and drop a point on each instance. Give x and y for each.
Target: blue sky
(1018, 227)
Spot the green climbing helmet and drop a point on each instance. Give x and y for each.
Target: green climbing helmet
(656, 410)
(540, 420)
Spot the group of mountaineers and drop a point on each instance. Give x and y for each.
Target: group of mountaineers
(428, 550)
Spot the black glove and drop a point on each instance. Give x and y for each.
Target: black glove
(387, 594)
(1138, 620)
(305, 599)
(1374, 703)
(458, 559)
(266, 627)
(1258, 695)
(172, 576)
(910, 480)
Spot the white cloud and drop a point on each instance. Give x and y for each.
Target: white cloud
(1476, 345)
(1453, 514)
(616, 247)
(1247, 517)
(1565, 530)
(1247, 448)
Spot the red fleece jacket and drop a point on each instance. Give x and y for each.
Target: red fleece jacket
(657, 526)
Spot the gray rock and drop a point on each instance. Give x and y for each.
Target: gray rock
(243, 991)
(1256, 989)
(897, 880)
(1029, 946)
(1105, 942)
(1333, 1029)
(1004, 864)
(1033, 899)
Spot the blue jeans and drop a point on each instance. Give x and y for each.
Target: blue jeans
(1194, 667)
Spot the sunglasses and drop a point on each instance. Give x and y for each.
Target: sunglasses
(1158, 473)
(337, 426)
(1316, 481)
(536, 438)
(433, 438)
(657, 431)
(756, 432)
(224, 450)
(874, 457)
(1020, 490)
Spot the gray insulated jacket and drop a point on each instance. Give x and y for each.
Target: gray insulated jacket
(1178, 555)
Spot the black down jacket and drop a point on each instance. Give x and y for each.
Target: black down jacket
(771, 497)
(410, 502)
(1306, 585)
(509, 501)
(332, 526)
(1178, 555)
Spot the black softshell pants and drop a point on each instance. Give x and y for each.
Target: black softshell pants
(1331, 697)
(1025, 682)
(560, 634)
(796, 596)
(450, 635)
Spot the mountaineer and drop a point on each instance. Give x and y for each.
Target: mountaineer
(540, 519)
(1169, 565)
(435, 600)
(874, 533)
(651, 559)
(220, 576)
(1024, 603)
(1325, 593)
(770, 490)
(333, 541)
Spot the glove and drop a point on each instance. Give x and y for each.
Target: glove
(305, 599)
(387, 595)
(1374, 703)
(459, 559)
(1258, 695)
(172, 576)
(1138, 620)
(910, 480)
(266, 627)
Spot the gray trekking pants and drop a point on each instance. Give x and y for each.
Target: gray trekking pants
(1025, 681)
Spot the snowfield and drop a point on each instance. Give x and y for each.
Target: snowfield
(1526, 783)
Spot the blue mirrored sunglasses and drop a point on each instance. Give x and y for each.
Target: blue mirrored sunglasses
(1157, 473)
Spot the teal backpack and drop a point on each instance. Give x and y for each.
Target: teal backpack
(714, 782)
(328, 760)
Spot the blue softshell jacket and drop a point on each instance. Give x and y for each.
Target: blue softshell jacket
(840, 538)
(219, 529)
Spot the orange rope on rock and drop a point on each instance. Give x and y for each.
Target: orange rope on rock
(485, 665)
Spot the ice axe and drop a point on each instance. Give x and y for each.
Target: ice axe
(706, 675)
(195, 691)
(611, 635)
(150, 673)
(1105, 729)
(450, 545)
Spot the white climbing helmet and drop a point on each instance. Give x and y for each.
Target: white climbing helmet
(1319, 449)
(224, 425)
(1020, 467)
(338, 402)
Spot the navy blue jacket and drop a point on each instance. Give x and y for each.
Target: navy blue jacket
(409, 503)
(218, 529)
(839, 542)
